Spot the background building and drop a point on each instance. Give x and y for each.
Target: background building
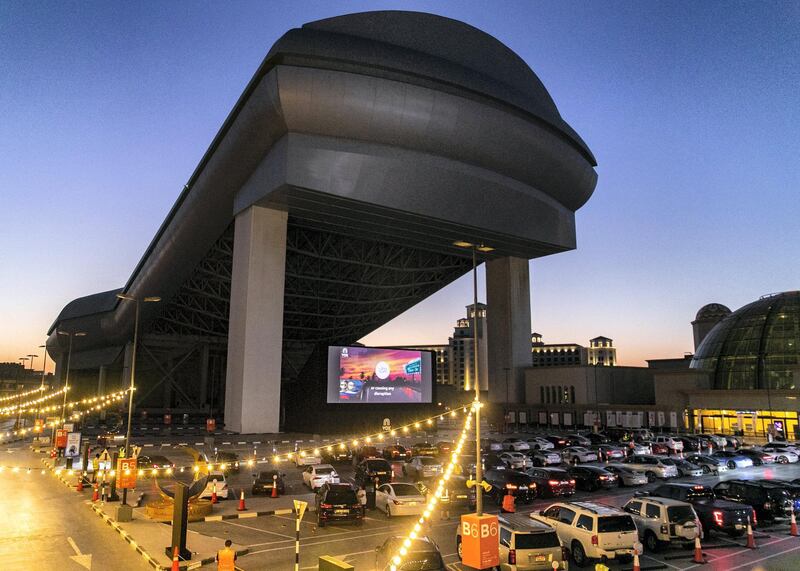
(601, 351)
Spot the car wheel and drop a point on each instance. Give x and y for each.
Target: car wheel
(388, 511)
(578, 554)
(731, 465)
(575, 461)
(651, 541)
(459, 549)
(783, 460)
(651, 477)
(706, 469)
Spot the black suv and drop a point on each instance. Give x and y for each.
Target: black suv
(338, 502)
(372, 468)
(715, 514)
(593, 478)
(521, 486)
(768, 501)
(552, 482)
(263, 483)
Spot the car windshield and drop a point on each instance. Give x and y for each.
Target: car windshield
(341, 496)
(267, 475)
(406, 490)
(323, 470)
(615, 523)
(429, 461)
(422, 561)
(536, 540)
(680, 513)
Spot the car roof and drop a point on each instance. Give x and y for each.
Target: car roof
(524, 523)
(592, 468)
(317, 466)
(668, 502)
(595, 508)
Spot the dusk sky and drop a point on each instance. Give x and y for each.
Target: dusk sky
(691, 108)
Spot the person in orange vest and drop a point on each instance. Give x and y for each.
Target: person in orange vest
(508, 503)
(226, 557)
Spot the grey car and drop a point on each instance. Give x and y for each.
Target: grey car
(708, 464)
(685, 469)
(627, 477)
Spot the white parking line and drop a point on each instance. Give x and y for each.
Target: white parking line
(765, 558)
(288, 537)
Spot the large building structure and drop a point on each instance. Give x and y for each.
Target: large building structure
(368, 160)
(601, 352)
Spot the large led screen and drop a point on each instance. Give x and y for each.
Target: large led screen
(379, 376)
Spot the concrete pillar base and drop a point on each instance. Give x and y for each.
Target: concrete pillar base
(123, 514)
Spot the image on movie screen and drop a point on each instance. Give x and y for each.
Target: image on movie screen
(372, 375)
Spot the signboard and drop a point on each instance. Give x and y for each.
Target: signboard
(512, 416)
(480, 541)
(661, 418)
(300, 508)
(414, 366)
(542, 418)
(126, 473)
(523, 417)
(38, 425)
(651, 418)
(69, 426)
(611, 418)
(387, 425)
(673, 419)
(567, 419)
(61, 438)
(73, 447)
(105, 460)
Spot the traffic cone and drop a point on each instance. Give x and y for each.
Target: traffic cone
(79, 487)
(751, 541)
(274, 486)
(793, 529)
(241, 507)
(214, 499)
(95, 494)
(636, 566)
(175, 560)
(698, 550)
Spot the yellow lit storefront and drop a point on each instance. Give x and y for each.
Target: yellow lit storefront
(750, 422)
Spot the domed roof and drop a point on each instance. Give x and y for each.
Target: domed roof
(756, 346)
(712, 311)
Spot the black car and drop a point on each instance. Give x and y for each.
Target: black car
(372, 468)
(422, 554)
(768, 501)
(458, 493)
(690, 444)
(552, 482)
(521, 486)
(558, 441)
(592, 478)
(339, 453)
(397, 452)
(338, 502)
(229, 459)
(492, 461)
(263, 483)
(759, 457)
(597, 438)
(715, 514)
(792, 488)
(150, 462)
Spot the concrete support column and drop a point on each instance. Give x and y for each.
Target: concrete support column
(58, 375)
(204, 354)
(509, 327)
(125, 379)
(255, 325)
(167, 386)
(101, 380)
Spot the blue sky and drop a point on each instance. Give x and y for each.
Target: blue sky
(692, 110)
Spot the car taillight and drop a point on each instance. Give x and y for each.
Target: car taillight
(603, 477)
(755, 519)
(553, 482)
(595, 540)
(767, 505)
(512, 556)
(510, 487)
(326, 506)
(717, 517)
(572, 482)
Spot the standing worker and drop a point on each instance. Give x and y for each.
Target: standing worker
(226, 557)
(444, 504)
(95, 467)
(361, 494)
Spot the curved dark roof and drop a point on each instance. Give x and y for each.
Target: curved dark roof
(755, 346)
(712, 311)
(87, 305)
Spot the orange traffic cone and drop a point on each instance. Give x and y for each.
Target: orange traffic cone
(241, 507)
(636, 566)
(95, 493)
(793, 529)
(274, 486)
(508, 503)
(175, 560)
(698, 551)
(751, 541)
(79, 487)
(214, 499)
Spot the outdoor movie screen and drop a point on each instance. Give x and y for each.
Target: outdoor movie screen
(379, 376)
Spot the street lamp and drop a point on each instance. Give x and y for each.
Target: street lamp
(32, 357)
(476, 380)
(135, 300)
(71, 335)
(41, 387)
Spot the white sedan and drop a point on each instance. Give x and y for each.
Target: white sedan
(400, 499)
(516, 460)
(515, 445)
(315, 476)
(578, 455)
(216, 481)
(538, 443)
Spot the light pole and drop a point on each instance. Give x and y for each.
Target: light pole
(41, 388)
(506, 415)
(71, 335)
(135, 300)
(476, 380)
(32, 357)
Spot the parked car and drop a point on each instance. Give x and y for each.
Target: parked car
(400, 498)
(552, 482)
(651, 466)
(598, 438)
(266, 480)
(607, 452)
(515, 445)
(368, 470)
(784, 454)
(397, 452)
(521, 486)
(539, 443)
(525, 544)
(490, 445)
(339, 453)
(715, 514)
(637, 448)
(793, 489)
(578, 455)
(662, 521)
(424, 449)
(367, 451)
(422, 468)
(720, 442)
(708, 464)
(229, 461)
(545, 458)
(338, 503)
(685, 469)
(579, 440)
(673, 444)
(458, 493)
(304, 459)
(315, 476)
(591, 531)
(216, 482)
(733, 460)
(690, 443)
(657, 448)
(730, 441)
(493, 461)
(626, 476)
(444, 448)
(148, 462)
(516, 460)
(558, 442)
(591, 478)
(769, 502)
(422, 553)
(759, 457)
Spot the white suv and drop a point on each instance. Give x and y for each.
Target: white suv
(591, 531)
(662, 521)
(651, 466)
(673, 444)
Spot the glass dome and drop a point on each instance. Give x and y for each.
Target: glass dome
(756, 346)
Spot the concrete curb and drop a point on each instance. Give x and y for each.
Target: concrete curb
(250, 515)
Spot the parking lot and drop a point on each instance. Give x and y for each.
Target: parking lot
(271, 538)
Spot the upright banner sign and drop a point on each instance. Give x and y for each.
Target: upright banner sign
(480, 541)
(73, 448)
(126, 473)
(61, 438)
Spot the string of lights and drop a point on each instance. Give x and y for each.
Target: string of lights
(12, 409)
(22, 395)
(32, 406)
